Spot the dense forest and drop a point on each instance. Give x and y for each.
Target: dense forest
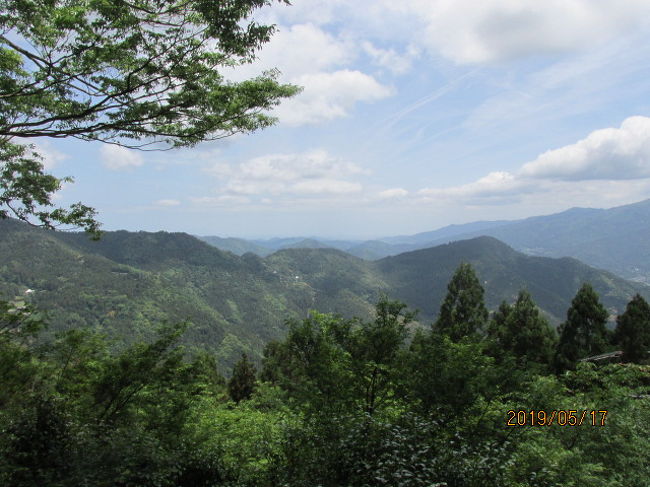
(475, 399)
(128, 283)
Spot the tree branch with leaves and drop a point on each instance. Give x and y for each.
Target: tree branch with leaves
(142, 74)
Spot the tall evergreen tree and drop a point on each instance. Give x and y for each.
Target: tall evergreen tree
(583, 333)
(463, 311)
(521, 330)
(496, 330)
(242, 383)
(633, 330)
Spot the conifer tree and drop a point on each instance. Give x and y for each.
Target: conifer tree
(633, 330)
(242, 383)
(521, 330)
(463, 311)
(496, 330)
(583, 334)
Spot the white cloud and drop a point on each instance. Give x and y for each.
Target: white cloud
(309, 173)
(51, 156)
(167, 203)
(327, 96)
(495, 185)
(314, 59)
(471, 31)
(304, 48)
(612, 164)
(610, 154)
(393, 193)
(467, 31)
(391, 59)
(118, 158)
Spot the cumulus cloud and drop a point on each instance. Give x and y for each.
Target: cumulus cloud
(611, 153)
(604, 163)
(316, 62)
(467, 31)
(311, 49)
(309, 173)
(119, 158)
(327, 96)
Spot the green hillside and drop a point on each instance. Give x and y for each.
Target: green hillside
(129, 282)
(420, 277)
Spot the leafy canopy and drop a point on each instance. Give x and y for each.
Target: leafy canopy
(138, 73)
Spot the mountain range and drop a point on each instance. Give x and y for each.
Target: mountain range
(615, 239)
(129, 282)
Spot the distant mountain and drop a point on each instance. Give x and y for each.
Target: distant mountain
(307, 243)
(425, 238)
(129, 282)
(420, 277)
(237, 246)
(376, 249)
(240, 246)
(616, 239)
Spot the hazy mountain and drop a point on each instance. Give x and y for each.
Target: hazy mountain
(449, 231)
(237, 246)
(129, 282)
(240, 246)
(307, 243)
(617, 239)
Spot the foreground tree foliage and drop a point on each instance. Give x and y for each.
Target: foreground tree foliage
(463, 312)
(242, 383)
(583, 334)
(522, 331)
(633, 331)
(384, 402)
(138, 74)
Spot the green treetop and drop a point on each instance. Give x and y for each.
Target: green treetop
(583, 334)
(242, 383)
(521, 330)
(140, 74)
(633, 330)
(463, 311)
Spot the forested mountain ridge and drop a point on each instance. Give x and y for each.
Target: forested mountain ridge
(129, 282)
(614, 239)
(503, 272)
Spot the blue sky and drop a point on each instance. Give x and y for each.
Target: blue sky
(414, 115)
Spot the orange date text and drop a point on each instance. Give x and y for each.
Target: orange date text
(559, 417)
